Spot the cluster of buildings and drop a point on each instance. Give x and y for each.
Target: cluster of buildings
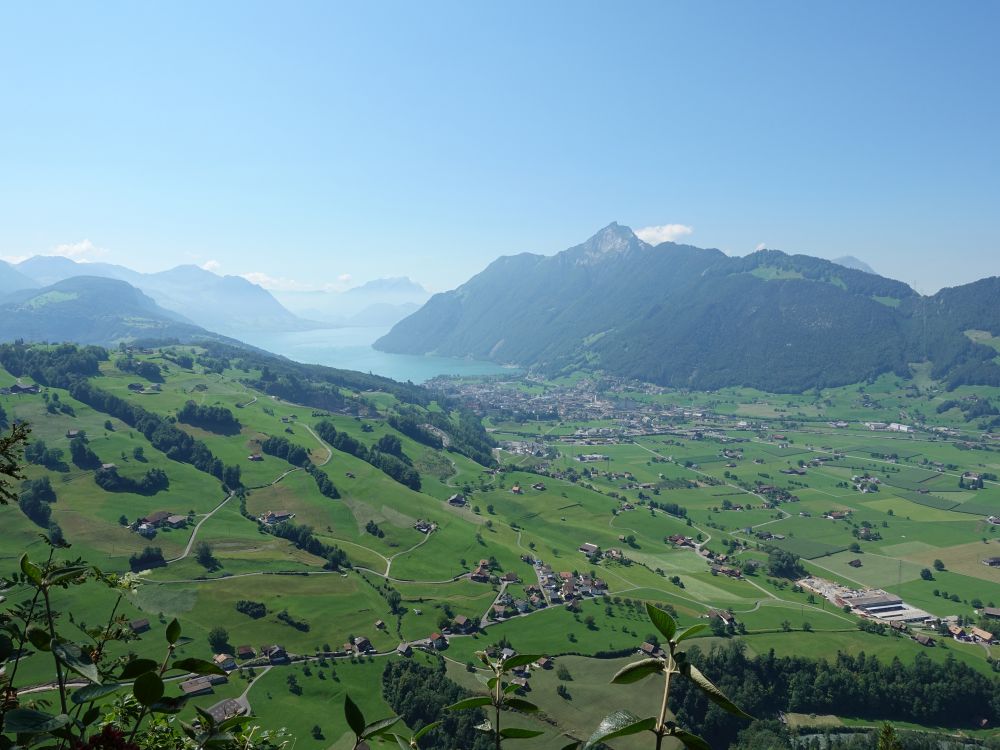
(274, 517)
(147, 526)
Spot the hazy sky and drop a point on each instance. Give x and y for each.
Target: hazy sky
(331, 143)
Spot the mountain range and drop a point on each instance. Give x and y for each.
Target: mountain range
(92, 310)
(380, 302)
(684, 316)
(200, 299)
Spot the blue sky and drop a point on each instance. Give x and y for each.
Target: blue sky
(313, 144)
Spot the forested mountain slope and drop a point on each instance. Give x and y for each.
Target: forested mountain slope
(685, 316)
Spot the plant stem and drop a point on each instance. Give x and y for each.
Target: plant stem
(661, 723)
(52, 634)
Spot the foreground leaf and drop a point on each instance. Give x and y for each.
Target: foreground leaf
(636, 671)
(474, 702)
(377, 727)
(173, 631)
(520, 660)
(519, 704)
(691, 741)
(425, 729)
(148, 688)
(31, 571)
(71, 656)
(517, 733)
(714, 694)
(137, 667)
(28, 721)
(93, 692)
(663, 622)
(693, 630)
(198, 666)
(169, 705)
(355, 719)
(618, 724)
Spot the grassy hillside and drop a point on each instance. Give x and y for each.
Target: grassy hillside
(417, 582)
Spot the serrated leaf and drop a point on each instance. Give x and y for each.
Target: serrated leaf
(425, 729)
(39, 638)
(234, 721)
(93, 692)
(73, 658)
(519, 704)
(687, 633)
(148, 688)
(355, 719)
(618, 724)
(65, 574)
(31, 571)
(517, 733)
(29, 721)
(137, 667)
(169, 705)
(714, 694)
(663, 622)
(691, 741)
(636, 671)
(173, 631)
(474, 702)
(198, 666)
(377, 727)
(520, 660)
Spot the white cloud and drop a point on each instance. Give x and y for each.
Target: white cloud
(211, 265)
(14, 259)
(760, 246)
(83, 251)
(663, 233)
(345, 278)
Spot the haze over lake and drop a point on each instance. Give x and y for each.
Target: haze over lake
(351, 349)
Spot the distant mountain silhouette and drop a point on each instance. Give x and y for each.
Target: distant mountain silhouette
(229, 304)
(92, 310)
(690, 317)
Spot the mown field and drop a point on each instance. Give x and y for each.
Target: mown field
(919, 516)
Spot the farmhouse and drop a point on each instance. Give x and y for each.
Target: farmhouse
(923, 640)
(993, 562)
(437, 641)
(226, 709)
(589, 549)
(275, 654)
(139, 626)
(457, 500)
(463, 624)
(196, 686)
(156, 519)
(245, 652)
(176, 521)
(992, 612)
(255, 457)
(980, 636)
(224, 661)
(272, 517)
(403, 649)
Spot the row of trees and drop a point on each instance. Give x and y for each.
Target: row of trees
(390, 464)
(296, 455)
(151, 482)
(216, 419)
